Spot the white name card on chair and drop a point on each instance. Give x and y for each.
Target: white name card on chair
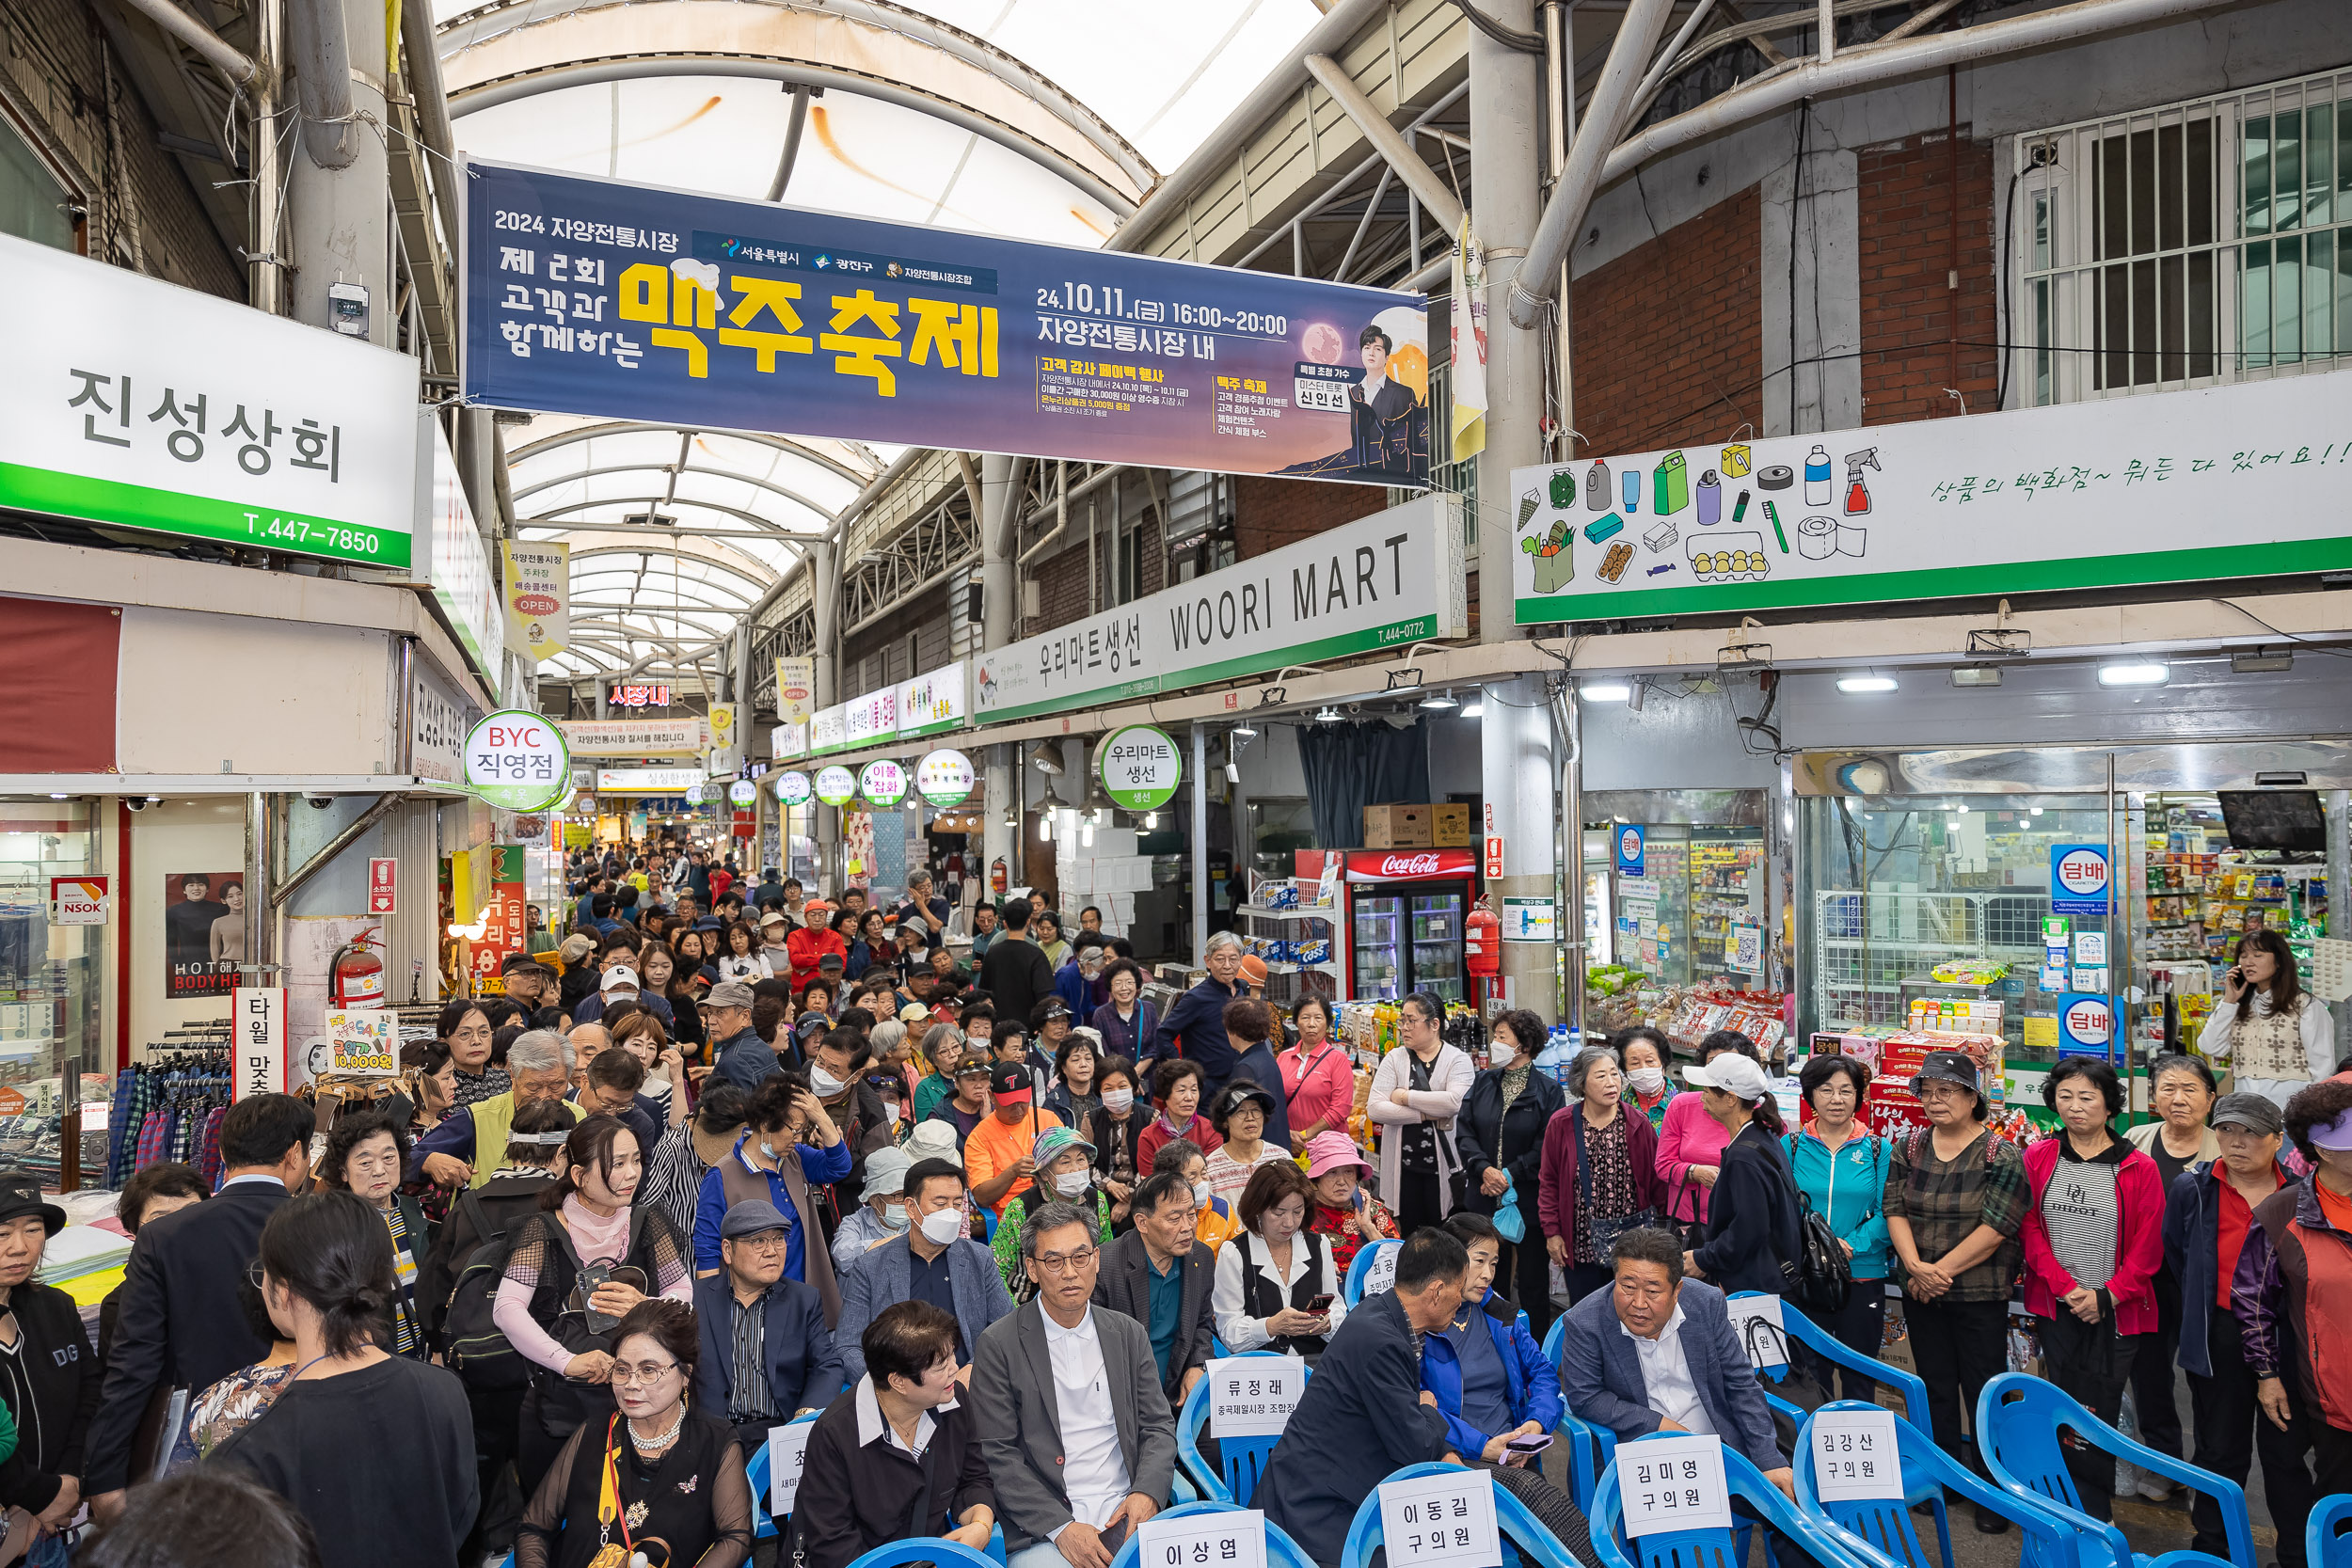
(1856, 1455)
(1673, 1483)
(1253, 1395)
(1381, 1274)
(1441, 1519)
(1767, 1346)
(788, 1450)
(1226, 1539)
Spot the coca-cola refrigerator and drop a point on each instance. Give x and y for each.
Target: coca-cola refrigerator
(1400, 926)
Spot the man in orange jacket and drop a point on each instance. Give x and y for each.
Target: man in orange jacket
(808, 946)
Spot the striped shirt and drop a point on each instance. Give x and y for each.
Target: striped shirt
(674, 1177)
(406, 1339)
(752, 1401)
(2079, 1211)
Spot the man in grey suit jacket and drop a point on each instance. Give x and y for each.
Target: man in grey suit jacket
(1654, 1352)
(1161, 1256)
(1080, 1445)
(916, 1265)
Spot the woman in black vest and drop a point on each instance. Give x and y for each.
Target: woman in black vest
(586, 1220)
(49, 1376)
(1277, 1286)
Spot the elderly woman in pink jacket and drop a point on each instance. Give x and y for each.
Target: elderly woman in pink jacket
(1691, 1145)
(1415, 1096)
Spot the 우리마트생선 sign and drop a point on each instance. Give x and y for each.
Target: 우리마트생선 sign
(594, 297)
(1139, 767)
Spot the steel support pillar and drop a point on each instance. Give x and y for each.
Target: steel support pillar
(825, 560)
(1515, 767)
(1000, 835)
(339, 202)
(1201, 883)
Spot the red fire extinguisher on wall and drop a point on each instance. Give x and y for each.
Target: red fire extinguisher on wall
(997, 881)
(1481, 941)
(356, 979)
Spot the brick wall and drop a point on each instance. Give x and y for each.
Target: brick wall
(1905, 214)
(56, 69)
(1270, 514)
(1061, 578)
(1668, 337)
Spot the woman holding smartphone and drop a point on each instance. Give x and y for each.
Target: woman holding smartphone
(2271, 1033)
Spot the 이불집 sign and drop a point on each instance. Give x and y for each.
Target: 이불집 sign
(2087, 494)
(136, 402)
(593, 296)
(1383, 581)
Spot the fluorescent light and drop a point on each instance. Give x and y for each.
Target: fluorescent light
(1976, 674)
(2036, 811)
(1855, 685)
(1045, 826)
(1243, 732)
(1328, 716)
(1086, 835)
(2134, 675)
(1607, 691)
(1151, 820)
(1472, 710)
(1439, 700)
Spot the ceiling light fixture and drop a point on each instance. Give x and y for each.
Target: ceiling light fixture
(1607, 691)
(1048, 764)
(1861, 685)
(2142, 673)
(1243, 732)
(2261, 661)
(1472, 708)
(1439, 700)
(1401, 681)
(1328, 715)
(1976, 675)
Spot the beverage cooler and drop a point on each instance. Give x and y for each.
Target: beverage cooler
(1401, 919)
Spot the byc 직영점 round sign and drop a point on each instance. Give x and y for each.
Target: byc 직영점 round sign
(835, 785)
(792, 787)
(1140, 767)
(883, 783)
(516, 759)
(943, 778)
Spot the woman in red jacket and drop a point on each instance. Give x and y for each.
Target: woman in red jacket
(2094, 1239)
(1599, 1173)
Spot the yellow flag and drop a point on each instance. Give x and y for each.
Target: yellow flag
(1469, 321)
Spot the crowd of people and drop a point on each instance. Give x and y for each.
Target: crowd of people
(985, 1230)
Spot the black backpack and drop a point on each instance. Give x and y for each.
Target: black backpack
(476, 1348)
(1821, 1276)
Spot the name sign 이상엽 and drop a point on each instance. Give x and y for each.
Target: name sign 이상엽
(1233, 1538)
(1253, 1395)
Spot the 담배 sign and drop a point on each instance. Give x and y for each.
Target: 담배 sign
(1856, 1455)
(835, 785)
(363, 1043)
(788, 1452)
(1140, 767)
(944, 777)
(2078, 878)
(1381, 1274)
(1253, 1395)
(792, 787)
(2086, 1024)
(1443, 1519)
(1629, 849)
(1232, 1538)
(882, 782)
(516, 759)
(593, 296)
(1673, 1483)
(258, 1021)
(2086, 494)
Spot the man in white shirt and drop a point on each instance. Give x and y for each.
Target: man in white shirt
(1080, 1442)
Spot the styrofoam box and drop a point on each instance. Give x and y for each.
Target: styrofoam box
(1114, 842)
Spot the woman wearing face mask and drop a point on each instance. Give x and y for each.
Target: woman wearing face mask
(1318, 1077)
(1117, 1127)
(882, 1212)
(1127, 1022)
(1597, 1176)
(364, 1155)
(1501, 1130)
(1065, 1164)
(1647, 1089)
(588, 1221)
(2272, 1034)
(49, 1375)
(1270, 1281)
(1242, 1108)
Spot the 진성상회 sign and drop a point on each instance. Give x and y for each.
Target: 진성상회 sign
(2222, 481)
(133, 401)
(592, 297)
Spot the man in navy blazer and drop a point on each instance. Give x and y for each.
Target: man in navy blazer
(936, 1261)
(752, 1315)
(1656, 1353)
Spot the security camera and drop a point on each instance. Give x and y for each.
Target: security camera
(135, 803)
(319, 802)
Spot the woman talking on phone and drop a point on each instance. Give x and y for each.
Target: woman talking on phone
(2272, 1034)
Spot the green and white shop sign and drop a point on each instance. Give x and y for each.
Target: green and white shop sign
(1140, 767)
(2224, 482)
(138, 404)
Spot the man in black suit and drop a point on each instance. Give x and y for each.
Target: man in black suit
(181, 1324)
(188, 927)
(1160, 1274)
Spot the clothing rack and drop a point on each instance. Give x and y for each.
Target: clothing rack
(169, 1104)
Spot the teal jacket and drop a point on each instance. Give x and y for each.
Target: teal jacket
(1845, 1188)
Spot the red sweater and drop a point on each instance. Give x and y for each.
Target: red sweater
(2138, 1240)
(808, 948)
(1555, 1194)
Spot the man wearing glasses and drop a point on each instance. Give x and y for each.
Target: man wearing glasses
(765, 1353)
(1078, 1435)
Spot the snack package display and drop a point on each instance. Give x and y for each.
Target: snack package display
(1612, 565)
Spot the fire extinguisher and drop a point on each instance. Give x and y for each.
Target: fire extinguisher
(1481, 941)
(356, 979)
(997, 881)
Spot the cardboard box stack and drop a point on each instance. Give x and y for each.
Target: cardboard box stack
(1106, 873)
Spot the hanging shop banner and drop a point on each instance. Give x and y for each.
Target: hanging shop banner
(648, 780)
(1382, 582)
(742, 792)
(259, 1022)
(792, 787)
(796, 690)
(726, 737)
(516, 758)
(538, 598)
(883, 783)
(465, 587)
(1140, 767)
(930, 704)
(139, 403)
(828, 730)
(2089, 494)
(593, 296)
(943, 778)
(871, 718)
(684, 736)
(835, 785)
(787, 741)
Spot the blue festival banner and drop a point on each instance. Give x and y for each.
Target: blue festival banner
(630, 302)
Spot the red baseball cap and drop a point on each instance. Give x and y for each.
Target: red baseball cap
(1009, 1082)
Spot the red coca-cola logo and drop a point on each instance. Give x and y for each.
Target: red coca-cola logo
(1373, 865)
(1409, 866)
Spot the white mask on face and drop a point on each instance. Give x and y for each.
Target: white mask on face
(825, 1084)
(894, 1215)
(943, 1226)
(1119, 1102)
(1073, 1183)
(1201, 1193)
(1500, 1051)
(1646, 1080)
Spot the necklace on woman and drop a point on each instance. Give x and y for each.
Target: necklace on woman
(662, 1440)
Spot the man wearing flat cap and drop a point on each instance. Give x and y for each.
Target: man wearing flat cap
(767, 1355)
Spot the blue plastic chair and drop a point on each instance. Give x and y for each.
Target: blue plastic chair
(1281, 1550)
(757, 1467)
(2018, 1420)
(1590, 1448)
(1886, 1524)
(1352, 1289)
(926, 1550)
(1718, 1547)
(1520, 1527)
(2328, 1534)
(1244, 1458)
(1805, 1332)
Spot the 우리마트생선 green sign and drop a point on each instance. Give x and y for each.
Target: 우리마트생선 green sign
(1140, 767)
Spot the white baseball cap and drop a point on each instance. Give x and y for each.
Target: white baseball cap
(618, 976)
(1732, 1073)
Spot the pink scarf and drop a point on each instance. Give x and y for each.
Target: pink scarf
(596, 1239)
